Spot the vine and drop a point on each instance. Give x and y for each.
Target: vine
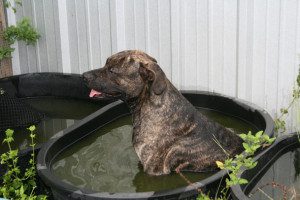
(23, 31)
(280, 125)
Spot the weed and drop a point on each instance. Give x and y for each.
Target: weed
(280, 125)
(15, 183)
(245, 160)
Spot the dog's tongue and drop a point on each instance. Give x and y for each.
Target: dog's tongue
(94, 93)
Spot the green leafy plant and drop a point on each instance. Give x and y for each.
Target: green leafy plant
(245, 160)
(23, 31)
(5, 52)
(15, 183)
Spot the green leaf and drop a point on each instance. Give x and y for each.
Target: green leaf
(255, 147)
(229, 183)
(12, 154)
(242, 181)
(298, 78)
(9, 132)
(271, 140)
(202, 196)
(246, 146)
(243, 136)
(22, 190)
(259, 134)
(220, 164)
(32, 128)
(5, 52)
(283, 110)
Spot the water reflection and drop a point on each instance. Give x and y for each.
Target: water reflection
(106, 160)
(60, 114)
(284, 175)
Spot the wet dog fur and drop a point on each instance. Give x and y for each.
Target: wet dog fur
(168, 131)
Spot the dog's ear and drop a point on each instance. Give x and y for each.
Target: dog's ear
(153, 73)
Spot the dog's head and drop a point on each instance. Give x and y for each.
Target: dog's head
(125, 75)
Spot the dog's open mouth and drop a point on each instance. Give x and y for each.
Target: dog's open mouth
(103, 95)
(95, 93)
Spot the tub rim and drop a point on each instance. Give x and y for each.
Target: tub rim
(282, 145)
(44, 170)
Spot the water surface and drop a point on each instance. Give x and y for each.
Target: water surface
(284, 173)
(59, 114)
(105, 161)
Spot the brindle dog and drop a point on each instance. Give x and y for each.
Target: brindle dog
(168, 131)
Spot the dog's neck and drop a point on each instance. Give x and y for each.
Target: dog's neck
(132, 103)
(136, 103)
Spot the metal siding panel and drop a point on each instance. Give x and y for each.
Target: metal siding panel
(120, 25)
(113, 24)
(42, 42)
(242, 49)
(94, 34)
(83, 34)
(129, 11)
(272, 55)
(230, 48)
(105, 30)
(190, 46)
(259, 52)
(57, 36)
(165, 36)
(249, 59)
(139, 19)
(153, 29)
(50, 35)
(245, 50)
(202, 45)
(175, 40)
(63, 35)
(73, 36)
(216, 45)
(182, 38)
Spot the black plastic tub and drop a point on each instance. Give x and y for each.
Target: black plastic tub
(44, 85)
(266, 159)
(62, 190)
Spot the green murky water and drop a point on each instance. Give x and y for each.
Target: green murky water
(60, 114)
(105, 161)
(285, 174)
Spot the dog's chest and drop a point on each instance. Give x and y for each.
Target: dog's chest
(147, 134)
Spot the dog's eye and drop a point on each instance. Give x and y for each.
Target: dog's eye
(112, 71)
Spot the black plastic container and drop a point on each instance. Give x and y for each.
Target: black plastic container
(61, 190)
(36, 85)
(265, 160)
(57, 85)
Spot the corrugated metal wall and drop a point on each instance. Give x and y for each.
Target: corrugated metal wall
(243, 48)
